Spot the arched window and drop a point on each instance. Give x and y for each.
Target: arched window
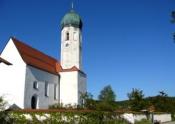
(34, 102)
(67, 35)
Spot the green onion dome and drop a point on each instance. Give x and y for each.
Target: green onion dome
(71, 19)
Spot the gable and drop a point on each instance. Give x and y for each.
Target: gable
(35, 58)
(11, 54)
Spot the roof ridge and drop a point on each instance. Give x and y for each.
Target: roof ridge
(36, 58)
(21, 42)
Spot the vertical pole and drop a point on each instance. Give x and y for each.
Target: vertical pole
(152, 117)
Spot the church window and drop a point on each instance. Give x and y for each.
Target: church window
(55, 91)
(75, 36)
(67, 35)
(46, 89)
(34, 102)
(35, 85)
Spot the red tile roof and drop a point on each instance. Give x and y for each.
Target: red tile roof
(36, 58)
(5, 61)
(74, 68)
(40, 60)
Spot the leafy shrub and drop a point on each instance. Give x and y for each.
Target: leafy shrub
(143, 121)
(3, 103)
(173, 116)
(95, 117)
(56, 106)
(105, 106)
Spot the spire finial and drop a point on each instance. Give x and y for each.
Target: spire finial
(72, 5)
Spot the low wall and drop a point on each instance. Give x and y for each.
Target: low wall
(138, 117)
(163, 117)
(132, 118)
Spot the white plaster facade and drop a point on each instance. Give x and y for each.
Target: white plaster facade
(41, 77)
(81, 86)
(12, 77)
(71, 47)
(71, 88)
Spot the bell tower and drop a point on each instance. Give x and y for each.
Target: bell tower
(72, 78)
(71, 41)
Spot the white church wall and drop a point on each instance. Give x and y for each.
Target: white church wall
(34, 74)
(12, 77)
(81, 86)
(69, 88)
(71, 54)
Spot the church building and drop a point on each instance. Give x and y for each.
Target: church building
(31, 79)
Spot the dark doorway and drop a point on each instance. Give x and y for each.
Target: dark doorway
(34, 102)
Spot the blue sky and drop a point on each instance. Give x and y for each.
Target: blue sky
(126, 43)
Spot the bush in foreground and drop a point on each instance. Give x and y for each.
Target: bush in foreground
(66, 117)
(143, 121)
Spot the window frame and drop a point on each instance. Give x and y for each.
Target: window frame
(55, 91)
(35, 85)
(67, 36)
(46, 89)
(75, 36)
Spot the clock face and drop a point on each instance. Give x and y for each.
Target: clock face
(66, 45)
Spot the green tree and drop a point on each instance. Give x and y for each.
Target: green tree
(163, 103)
(162, 94)
(4, 116)
(106, 99)
(136, 100)
(88, 101)
(2, 104)
(107, 94)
